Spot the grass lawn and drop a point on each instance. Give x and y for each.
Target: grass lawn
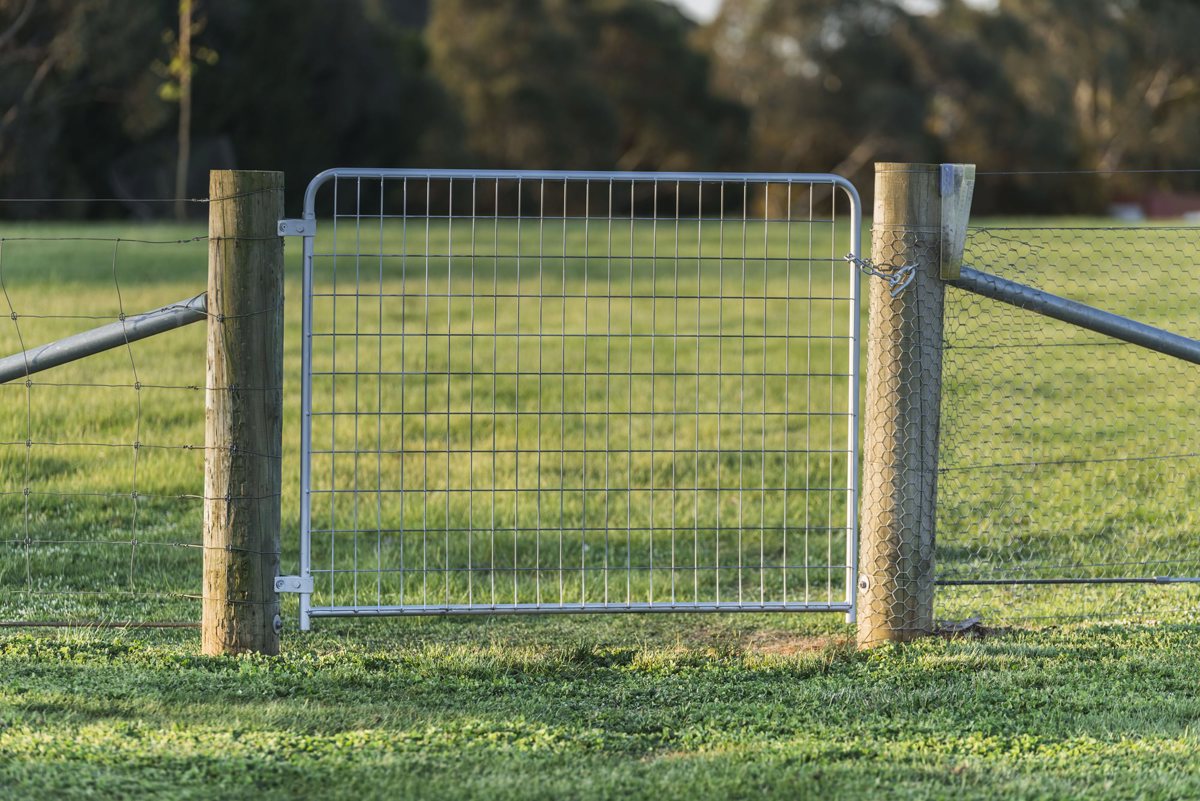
(672, 706)
(631, 708)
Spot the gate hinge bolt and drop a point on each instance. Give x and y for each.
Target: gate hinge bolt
(301, 584)
(297, 227)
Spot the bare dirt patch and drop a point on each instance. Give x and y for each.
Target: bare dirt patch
(787, 643)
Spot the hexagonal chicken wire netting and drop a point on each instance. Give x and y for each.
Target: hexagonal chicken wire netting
(1069, 468)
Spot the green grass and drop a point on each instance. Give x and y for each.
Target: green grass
(83, 419)
(553, 358)
(682, 707)
(673, 706)
(1029, 409)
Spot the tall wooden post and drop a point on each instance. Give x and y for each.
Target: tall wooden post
(243, 413)
(903, 396)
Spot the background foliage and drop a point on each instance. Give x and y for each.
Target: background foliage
(300, 85)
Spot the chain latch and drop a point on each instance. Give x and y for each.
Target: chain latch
(897, 278)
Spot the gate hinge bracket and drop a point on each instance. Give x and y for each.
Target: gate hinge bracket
(297, 227)
(301, 584)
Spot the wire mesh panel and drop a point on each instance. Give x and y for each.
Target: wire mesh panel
(1069, 466)
(578, 392)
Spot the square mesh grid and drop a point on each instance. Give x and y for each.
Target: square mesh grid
(578, 392)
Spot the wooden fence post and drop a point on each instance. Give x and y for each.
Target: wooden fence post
(243, 413)
(903, 396)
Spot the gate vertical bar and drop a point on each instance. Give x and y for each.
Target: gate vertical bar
(904, 362)
(310, 222)
(852, 423)
(306, 430)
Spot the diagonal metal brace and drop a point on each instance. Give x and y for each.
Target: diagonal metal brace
(106, 337)
(1080, 314)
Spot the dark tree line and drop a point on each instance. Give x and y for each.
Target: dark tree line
(87, 109)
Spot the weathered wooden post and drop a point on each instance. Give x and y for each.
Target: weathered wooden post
(919, 209)
(243, 413)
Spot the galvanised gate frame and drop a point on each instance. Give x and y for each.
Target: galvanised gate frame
(578, 392)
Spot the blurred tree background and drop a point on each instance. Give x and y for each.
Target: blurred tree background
(91, 101)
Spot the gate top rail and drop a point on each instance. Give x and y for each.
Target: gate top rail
(820, 179)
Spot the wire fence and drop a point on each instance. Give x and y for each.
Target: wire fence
(1069, 468)
(102, 460)
(542, 428)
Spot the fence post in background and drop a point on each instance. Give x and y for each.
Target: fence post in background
(903, 398)
(243, 413)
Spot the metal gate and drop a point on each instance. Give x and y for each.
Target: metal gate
(578, 392)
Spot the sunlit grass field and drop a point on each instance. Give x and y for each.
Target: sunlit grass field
(654, 442)
(69, 435)
(631, 706)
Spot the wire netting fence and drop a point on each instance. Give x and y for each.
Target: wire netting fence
(556, 383)
(1070, 462)
(101, 460)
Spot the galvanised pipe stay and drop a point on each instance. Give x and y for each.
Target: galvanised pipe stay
(1080, 314)
(106, 337)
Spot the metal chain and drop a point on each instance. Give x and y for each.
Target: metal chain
(897, 278)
